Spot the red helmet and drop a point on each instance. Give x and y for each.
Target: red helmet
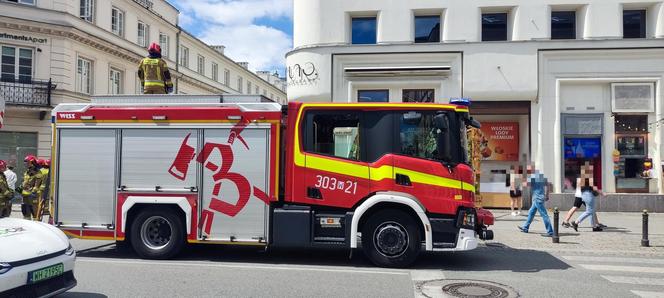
(31, 158)
(154, 47)
(41, 162)
(3, 164)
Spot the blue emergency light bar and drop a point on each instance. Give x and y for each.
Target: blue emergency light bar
(461, 101)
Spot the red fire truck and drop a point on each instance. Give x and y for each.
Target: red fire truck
(162, 171)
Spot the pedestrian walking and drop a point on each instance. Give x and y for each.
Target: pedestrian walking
(539, 192)
(515, 181)
(586, 173)
(588, 193)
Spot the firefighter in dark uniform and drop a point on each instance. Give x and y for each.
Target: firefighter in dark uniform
(44, 165)
(32, 182)
(153, 72)
(6, 193)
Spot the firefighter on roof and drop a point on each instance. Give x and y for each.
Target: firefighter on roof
(6, 193)
(32, 181)
(153, 72)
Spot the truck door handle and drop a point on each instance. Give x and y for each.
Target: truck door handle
(314, 193)
(402, 179)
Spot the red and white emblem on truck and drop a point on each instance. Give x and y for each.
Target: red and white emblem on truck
(185, 156)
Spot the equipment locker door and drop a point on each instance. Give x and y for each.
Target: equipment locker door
(86, 169)
(235, 166)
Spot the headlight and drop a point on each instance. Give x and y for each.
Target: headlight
(70, 250)
(4, 267)
(466, 219)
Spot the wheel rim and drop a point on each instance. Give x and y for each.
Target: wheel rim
(156, 232)
(391, 239)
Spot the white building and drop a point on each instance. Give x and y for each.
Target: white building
(92, 47)
(579, 78)
(273, 78)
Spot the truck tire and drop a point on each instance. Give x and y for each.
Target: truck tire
(391, 238)
(157, 233)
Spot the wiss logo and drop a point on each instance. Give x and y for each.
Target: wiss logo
(67, 116)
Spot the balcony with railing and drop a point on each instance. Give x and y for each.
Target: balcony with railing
(34, 93)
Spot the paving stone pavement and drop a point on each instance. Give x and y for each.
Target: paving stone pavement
(623, 233)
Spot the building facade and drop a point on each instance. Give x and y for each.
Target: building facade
(56, 51)
(556, 83)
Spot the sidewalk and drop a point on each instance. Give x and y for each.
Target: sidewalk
(623, 234)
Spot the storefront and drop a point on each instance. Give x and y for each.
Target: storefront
(505, 144)
(14, 146)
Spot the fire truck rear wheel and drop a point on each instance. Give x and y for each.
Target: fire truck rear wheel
(391, 238)
(157, 233)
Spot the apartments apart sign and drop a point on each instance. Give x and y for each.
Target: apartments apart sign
(23, 38)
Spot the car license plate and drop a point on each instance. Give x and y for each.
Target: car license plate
(46, 273)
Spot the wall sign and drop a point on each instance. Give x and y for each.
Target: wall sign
(582, 147)
(23, 38)
(500, 141)
(302, 74)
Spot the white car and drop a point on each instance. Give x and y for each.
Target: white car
(36, 259)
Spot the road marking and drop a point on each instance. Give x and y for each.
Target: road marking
(648, 294)
(623, 268)
(196, 264)
(634, 280)
(653, 261)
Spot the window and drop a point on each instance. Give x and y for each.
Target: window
(373, 95)
(418, 95)
(215, 72)
(418, 135)
(264, 92)
(227, 77)
(494, 26)
(271, 95)
(143, 34)
(87, 10)
(184, 56)
(563, 25)
(239, 85)
(363, 30)
(334, 134)
(117, 22)
(84, 76)
(115, 84)
(258, 90)
(634, 24)
(22, 1)
(201, 65)
(248, 87)
(164, 42)
(427, 29)
(16, 64)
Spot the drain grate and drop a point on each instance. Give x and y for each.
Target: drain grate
(467, 289)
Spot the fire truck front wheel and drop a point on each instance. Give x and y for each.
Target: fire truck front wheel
(391, 238)
(157, 233)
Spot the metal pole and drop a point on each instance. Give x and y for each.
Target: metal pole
(644, 240)
(556, 218)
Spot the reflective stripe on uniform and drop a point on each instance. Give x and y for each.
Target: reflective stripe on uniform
(153, 84)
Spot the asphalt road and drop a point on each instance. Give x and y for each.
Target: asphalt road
(218, 271)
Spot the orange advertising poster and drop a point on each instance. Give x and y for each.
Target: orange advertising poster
(500, 141)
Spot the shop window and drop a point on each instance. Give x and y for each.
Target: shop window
(494, 26)
(631, 148)
(634, 23)
(334, 134)
(579, 151)
(373, 95)
(427, 29)
(418, 95)
(363, 30)
(563, 25)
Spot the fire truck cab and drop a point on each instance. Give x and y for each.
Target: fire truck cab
(162, 171)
